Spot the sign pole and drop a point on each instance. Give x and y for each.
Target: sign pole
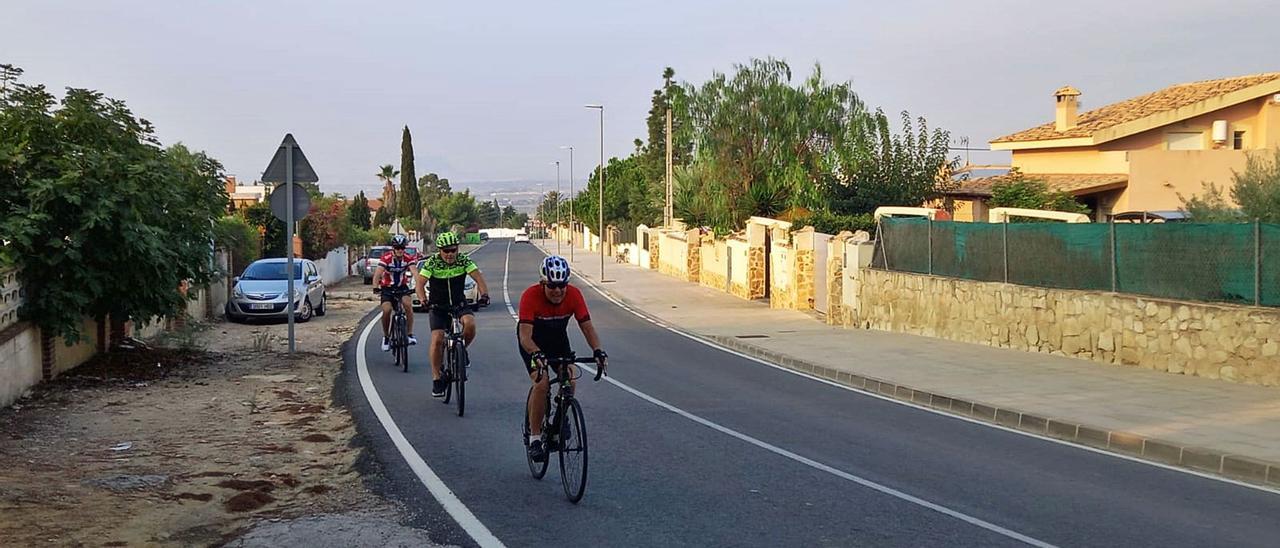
(288, 221)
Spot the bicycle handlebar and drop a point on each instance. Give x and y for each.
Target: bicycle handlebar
(556, 362)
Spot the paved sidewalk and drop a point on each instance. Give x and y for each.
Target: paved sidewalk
(1215, 426)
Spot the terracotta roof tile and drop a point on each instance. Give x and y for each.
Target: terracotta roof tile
(1167, 99)
(1069, 182)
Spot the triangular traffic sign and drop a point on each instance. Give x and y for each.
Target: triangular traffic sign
(302, 171)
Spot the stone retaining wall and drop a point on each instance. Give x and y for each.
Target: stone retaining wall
(1233, 343)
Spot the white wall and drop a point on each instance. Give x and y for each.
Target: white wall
(333, 268)
(19, 364)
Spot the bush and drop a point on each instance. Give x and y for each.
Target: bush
(236, 236)
(832, 223)
(1021, 192)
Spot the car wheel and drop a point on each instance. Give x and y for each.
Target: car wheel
(231, 316)
(324, 301)
(305, 314)
(368, 281)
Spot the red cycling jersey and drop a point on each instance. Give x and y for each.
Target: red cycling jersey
(394, 270)
(551, 321)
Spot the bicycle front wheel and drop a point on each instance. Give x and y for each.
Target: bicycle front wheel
(460, 377)
(446, 373)
(573, 452)
(538, 469)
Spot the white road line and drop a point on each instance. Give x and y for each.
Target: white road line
(426, 475)
(805, 460)
(506, 295)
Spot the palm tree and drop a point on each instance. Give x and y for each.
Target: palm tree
(388, 174)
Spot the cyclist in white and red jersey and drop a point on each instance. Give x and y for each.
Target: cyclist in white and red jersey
(395, 268)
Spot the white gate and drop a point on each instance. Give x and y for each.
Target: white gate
(820, 253)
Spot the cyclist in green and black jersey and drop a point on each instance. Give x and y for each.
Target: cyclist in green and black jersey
(443, 279)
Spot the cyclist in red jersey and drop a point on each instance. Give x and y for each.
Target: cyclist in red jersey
(545, 311)
(394, 269)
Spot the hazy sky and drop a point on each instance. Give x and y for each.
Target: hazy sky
(491, 89)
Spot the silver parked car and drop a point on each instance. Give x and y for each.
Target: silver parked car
(260, 291)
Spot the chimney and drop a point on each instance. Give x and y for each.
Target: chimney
(231, 185)
(1067, 99)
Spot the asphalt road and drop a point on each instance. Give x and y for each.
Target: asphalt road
(708, 448)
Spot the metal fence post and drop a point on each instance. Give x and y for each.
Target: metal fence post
(1004, 243)
(930, 246)
(880, 239)
(1114, 275)
(1257, 262)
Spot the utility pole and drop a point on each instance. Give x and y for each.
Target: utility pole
(668, 212)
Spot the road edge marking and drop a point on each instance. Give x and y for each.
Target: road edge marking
(445, 496)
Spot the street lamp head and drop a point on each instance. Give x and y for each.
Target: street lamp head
(562, 147)
(601, 107)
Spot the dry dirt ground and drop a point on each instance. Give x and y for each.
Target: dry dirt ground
(210, 437)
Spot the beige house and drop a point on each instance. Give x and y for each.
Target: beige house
(1142, 153)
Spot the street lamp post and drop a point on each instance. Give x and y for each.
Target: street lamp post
(558, 198)
(601, 205)
(571, 225)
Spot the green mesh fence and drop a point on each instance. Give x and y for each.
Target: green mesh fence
(1203, 262)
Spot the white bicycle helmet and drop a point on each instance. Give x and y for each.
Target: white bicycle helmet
(555, 269)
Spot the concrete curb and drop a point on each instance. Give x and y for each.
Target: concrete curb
(1236, 467)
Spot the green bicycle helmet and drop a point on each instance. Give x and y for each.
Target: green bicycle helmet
(446, 239)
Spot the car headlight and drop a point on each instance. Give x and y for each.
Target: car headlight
(235, 291)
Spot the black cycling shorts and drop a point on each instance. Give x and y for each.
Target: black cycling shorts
(439, 319)
(387, 297)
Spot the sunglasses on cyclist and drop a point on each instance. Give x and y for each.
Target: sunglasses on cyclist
(557, 285)
(448, 250)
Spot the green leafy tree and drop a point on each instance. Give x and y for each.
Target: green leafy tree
(432, 188)
(490, 214)
(1020, 191)
(458, 208)
(100, 219)
(272, 229)
(1257, 189)
(410, 205)
(236, 236)
(876, 167)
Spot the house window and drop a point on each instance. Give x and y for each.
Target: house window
(1185, 141)
(1237, 140)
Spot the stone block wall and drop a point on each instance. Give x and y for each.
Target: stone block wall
(755, 273)
(693, 256)
(804, 279)
(1232, 343)
(654, 246)
(835, 278)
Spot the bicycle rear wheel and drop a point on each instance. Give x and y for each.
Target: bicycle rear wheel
(573, 452)
(402, 343)
(538, 469)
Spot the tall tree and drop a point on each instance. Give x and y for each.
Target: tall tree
(410, 205)
(388, 174)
